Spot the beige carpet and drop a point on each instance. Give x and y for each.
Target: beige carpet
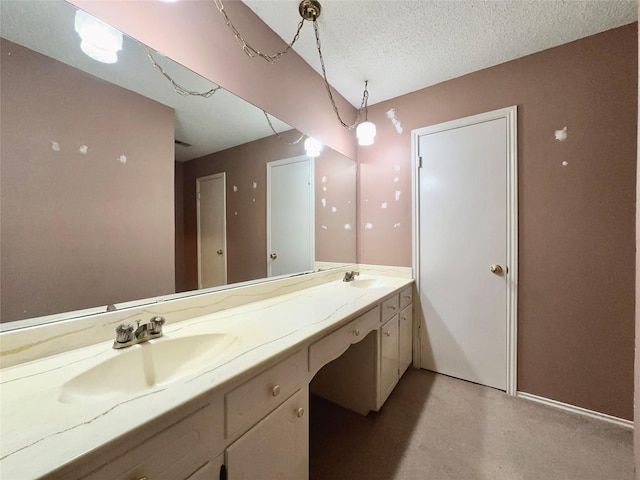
(435, 427)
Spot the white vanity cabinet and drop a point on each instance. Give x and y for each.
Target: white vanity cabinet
(405, 340)
(358, 365)
(254, 424)
(176, 446)
(396, 341)
(389, 353)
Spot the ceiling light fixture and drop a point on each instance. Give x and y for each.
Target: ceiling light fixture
(99, 41)
(310, 11)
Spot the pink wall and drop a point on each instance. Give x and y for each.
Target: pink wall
(335, 210)
(81, 229)
(576, 223)
(194, 34)
(245, 165)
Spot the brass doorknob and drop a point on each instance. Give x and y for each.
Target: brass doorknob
(219, 252)
(497, 269)
(274, 256)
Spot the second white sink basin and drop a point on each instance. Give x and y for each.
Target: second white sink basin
(368, 283)
(147, 365)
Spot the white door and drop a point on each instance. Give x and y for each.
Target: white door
(466, 248)
(212, 234)
(290, 220)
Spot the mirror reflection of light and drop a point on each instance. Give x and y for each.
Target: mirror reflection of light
(313, 147)
(99, 40)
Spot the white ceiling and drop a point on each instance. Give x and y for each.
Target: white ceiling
(403, 46)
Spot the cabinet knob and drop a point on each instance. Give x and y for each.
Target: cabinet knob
(357, 332)
(273, 256)
(387, 333)
(408, 297)
(275, 391)
(403, 318)
(300, 412)
(392, 307)
(220, 252)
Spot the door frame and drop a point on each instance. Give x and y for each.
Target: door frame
(511, 115)
(222, 175)
(284, 161)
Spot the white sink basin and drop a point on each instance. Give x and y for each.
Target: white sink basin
(141, 367)
(368, 283)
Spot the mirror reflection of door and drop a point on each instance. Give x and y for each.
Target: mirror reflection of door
(290, 224)
(212, 234)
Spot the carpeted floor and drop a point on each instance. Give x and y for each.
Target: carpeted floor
(434, 427)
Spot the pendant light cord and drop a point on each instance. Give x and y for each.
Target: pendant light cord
(295, 142)
(253, 52)
(246, 47)
(176, 86)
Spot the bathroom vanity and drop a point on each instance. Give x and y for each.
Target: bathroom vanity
(221, 395)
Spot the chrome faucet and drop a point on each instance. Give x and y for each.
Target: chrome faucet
(127, 336)
(350, 276)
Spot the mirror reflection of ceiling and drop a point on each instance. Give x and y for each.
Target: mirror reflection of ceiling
(426, 42)
(208, 124)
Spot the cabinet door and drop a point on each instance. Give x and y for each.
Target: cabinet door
(406, 338)
(388, 358)
(277, 447)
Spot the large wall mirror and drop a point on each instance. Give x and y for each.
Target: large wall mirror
(116, 188)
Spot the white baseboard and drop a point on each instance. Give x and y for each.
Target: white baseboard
(574, 409)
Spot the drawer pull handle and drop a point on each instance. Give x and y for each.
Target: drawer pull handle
(357, 332)
(408, 297)
(392, 307)
(387, 333)
(275, 391)
(300, 412)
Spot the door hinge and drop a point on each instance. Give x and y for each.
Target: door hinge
(420, 162)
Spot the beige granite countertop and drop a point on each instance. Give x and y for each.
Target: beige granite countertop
(41, 428)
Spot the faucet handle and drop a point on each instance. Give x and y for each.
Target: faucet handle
(156, 324)
(124, 333)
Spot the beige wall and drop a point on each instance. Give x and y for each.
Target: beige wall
(81, 229)
(245, 165)
(576, 223)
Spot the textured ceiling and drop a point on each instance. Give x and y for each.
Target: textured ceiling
(403, 46)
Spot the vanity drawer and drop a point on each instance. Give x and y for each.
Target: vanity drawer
(390, 307)
(181, 451)
(406, 297)
(336, 343)
(254, 399)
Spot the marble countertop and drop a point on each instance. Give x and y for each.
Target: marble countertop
(41, 429)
